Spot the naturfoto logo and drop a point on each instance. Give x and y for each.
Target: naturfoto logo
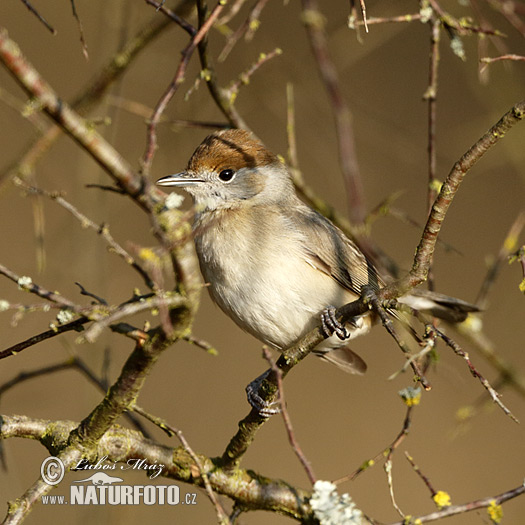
(101, 488)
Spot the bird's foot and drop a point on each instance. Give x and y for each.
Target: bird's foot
(331, 325)
(256, 400)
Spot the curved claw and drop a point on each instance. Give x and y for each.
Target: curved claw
(263, 407)
(331, 325)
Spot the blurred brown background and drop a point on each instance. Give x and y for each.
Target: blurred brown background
(339, 420)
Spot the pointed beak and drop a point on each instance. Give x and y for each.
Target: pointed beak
(182, 180)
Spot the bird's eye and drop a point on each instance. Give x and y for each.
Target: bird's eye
(226, 175)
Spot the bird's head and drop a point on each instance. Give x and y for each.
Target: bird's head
(231, 169)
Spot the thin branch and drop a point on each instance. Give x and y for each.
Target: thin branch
(224, 104)
(244, 78)
(172, 431)
(248, 27)
(94, 90)
(39, 16)
(454, 510)
(431, 97)
(139, 188)
(128, 309)
(508, 246)
(102, 229)
(515, 58)
(234, 9)
(420, 473)
(187, 52)
(387, 452)
(314, 23)
(493, 394)
(200, 343)
(137, 108)
(25, 283)
(80, 30)
(172, 15)
(425, 249)
(286, 418)
(48, 334)
(363, 13)
(385, 20)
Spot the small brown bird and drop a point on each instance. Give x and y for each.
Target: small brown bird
(273, 264)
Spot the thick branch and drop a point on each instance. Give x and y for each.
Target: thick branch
(119, 444)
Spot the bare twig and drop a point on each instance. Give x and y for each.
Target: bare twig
(515, 58)
(454, 510)
(363, 13)
(39, 16)
(139, 188)
(388, 468)
(172, 431)
(187, 52)
(314, 23)
(225, 105)
(425, 250)
(141, 110)
(60, 329)
(126, 310)
(508, 246)
(293, 158)
(493, 394)
(25, 283)
(210, 349)
(248, 27)
(419, 472)
(174, 17)
(510, 10)
(234, 9)
(286, 418)
(385, 453)
(387, 323)
(244, 78)
(386, 20)
(80, 30)
(431, 96)
(102, 229)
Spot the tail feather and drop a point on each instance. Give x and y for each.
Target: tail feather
(439, 305)
(344, 358)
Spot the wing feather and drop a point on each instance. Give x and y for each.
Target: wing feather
(328, 250)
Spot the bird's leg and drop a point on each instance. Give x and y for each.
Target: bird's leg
(331, 325)
(256, 400)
